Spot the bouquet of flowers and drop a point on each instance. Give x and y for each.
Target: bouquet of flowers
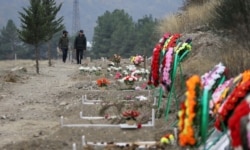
(102, 82)
(137, 59)
(130, 116)
(129, 80)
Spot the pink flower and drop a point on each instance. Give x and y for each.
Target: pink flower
(118, 75)
(167, 67)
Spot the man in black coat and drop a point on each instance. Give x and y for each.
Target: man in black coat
(63, 45)
(80, 46)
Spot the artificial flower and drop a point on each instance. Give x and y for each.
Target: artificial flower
(172, 41)
(118, 75)
(129, 80)
(166, 79)
(186, 126)
(102, 82)
(233, 100)
(219, 95)
(245, 76)
(234, 122)
(183, 46)
(137, 60)
(154, 75)
(130, 114)
(209, 79)
(155, 62)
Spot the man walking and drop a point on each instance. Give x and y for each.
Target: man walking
(80, 46)
(64, 45)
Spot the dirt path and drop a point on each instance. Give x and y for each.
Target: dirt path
(27, 107)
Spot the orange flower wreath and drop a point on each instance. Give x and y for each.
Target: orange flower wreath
(187, 113)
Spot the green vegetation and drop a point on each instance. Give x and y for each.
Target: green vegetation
(38, 25)
(53, 25)
(10, 44)
(116, 33)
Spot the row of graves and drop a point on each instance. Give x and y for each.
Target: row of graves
(121, 99)
(212, 110)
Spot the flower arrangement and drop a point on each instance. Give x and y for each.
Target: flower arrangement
(160, 50)
(130, 116)
(137, 60)
(183, 46)
(219, 95)
(167, 139)
(234, 122)
(129, 80)
(209, 79)
(155, 64)
(187, 113)
(171, 42)
(102, 82)
(118, 75)
(230, 104)
(166, 79)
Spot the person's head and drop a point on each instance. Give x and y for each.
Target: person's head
(81, 32)
(65, 32)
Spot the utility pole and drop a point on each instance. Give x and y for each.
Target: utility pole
(76, 17)
(75, 25)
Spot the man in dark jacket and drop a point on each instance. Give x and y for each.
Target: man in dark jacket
(80, 46)
(64, 45)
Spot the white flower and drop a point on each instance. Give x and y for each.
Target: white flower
(130, 79)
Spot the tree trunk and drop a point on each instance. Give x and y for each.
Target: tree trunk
(37, 59)
(49, 54)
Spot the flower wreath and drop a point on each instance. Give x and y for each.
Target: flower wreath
(245, 76)
(182, 47)
(219, 95)
(171, 42)
(209, 79)
(187, 113)
(166, 78)
(233, 100)
(155, 64)
(168, 58)
(234, 121)
(240, 79)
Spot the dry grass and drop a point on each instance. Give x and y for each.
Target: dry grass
(7, 65)
(236, 59)
(198, 15)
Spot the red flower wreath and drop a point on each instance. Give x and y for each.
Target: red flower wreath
(234, 122)
(155, 65)
(233, 100)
